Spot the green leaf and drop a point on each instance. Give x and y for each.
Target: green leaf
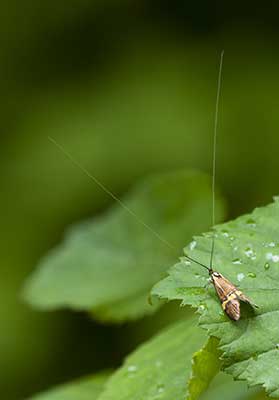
(108, 265)
(224, 387)
(247, 253)
(206, 364)
(85, 389)
(160, 368)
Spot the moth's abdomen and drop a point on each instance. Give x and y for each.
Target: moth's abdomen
(231, 305)
(232, 309)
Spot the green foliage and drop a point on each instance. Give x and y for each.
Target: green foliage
(108, 265)
(206, 364)
(160, 368)
(247, 253)
(85, 389)
(223, 386)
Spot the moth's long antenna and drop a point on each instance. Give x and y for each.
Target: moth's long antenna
(214, 152)
(131, 212)
(114, 197)
(106, 190)
(197, 262)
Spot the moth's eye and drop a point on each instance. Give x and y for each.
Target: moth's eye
(216, 274)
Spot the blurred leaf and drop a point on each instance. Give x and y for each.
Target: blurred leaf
(160, 368)
(206, 364)
(85, 389)
(108, 265)
(246, 252)
(223, 386)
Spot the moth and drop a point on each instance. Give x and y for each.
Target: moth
(229, 295)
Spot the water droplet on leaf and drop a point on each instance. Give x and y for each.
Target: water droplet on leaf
(160, 388)
(250, 253)
(201, 307)
(132, 368)
(158, 363)
(251, 222)
(251, 275)
(240, 277)
(266, 266)
(193, 245)
(272, 257)
(236, 261)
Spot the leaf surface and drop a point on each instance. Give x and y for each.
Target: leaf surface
(246, 253)
(109, 264)
(224, 387)
(205, 365)
(160, 368)
(85, 389)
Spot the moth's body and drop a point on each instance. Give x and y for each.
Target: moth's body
(229, 295)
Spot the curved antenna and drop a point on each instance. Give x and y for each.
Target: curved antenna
(214, 153)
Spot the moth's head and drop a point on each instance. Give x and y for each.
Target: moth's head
(216, 274)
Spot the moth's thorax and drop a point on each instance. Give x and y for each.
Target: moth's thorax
(216, 274)
(222, 285)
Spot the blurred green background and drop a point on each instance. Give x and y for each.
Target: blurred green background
(128, 88)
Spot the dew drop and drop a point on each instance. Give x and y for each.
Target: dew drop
(132, 368)
(225, 232)
(201, 307)
(251, 222)
(272, 257)
(160, 388)
(251, 275)
(232, 238)
(193, 245)
(158, 363)
(249, 252)
(277, 346)
(275, 198)
(266, 266)
(236, 261)
(240, 277)
(270, 244)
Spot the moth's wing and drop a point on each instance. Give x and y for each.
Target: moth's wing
(233, 309)
(245, 299)
(223, 286)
